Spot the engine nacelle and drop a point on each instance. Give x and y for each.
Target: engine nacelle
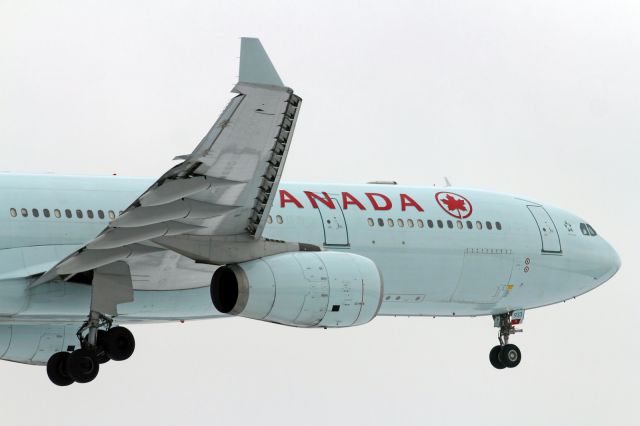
(302, 289)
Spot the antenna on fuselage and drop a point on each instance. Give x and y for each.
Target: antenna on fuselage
(446, 181)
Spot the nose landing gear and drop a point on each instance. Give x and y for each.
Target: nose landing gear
(506, 355)
(99, 343)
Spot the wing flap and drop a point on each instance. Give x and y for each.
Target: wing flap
(180, 209)
(117, 237)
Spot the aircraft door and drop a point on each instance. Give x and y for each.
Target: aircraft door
(548, 230)
(335, 225)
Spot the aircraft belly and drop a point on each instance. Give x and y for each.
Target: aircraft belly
(34, 344)
(59, 302)
(485, 275)
(515, 281)
(433, 275)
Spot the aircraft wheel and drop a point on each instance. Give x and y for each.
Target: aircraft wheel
(510, 356)
(494, 357)
(82, 365)
(119, 343)
(57, 369)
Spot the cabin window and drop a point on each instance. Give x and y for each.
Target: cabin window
(469, 224)
(56, 213)
(100, 214)
(390, 223)
(112, 215)
(478, 224)
(489, 225)
(440, 224)
(370, 222)
(429, 223)
(269, 219)
(420, 223)
(35, 212)
(46, 212)
(498, 226)
(279, 219)
(380, 222)
(401, 223)
(13, 212)
(459, 224)
(90, 214)
(591, 230)
(450, 224)
(79, 214)
(410, 223)
(67, 213)
(24, 212)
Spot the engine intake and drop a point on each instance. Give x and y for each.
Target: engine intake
(303, 289)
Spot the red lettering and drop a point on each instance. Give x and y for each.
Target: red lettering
(350, 199)
(407, 201)
(286, 197)
(327, 201)
(371, 196)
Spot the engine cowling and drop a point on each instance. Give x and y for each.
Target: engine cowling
(302, 289)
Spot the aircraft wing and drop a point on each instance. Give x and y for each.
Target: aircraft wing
(212, 207)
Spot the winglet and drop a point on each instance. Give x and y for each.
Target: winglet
(255, 65)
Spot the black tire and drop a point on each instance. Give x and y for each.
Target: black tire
(83, 365)
(119, 343)
(510, 356)
(494, 357)
(101, 352)
(57, 369)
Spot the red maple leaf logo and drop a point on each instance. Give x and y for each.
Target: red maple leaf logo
(453, 204)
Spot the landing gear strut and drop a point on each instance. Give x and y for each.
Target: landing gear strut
(506, 354)
(99, 343)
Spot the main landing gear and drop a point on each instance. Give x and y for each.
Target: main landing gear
(99, 343)
(506, 354)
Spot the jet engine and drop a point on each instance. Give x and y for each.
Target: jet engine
(302, 289)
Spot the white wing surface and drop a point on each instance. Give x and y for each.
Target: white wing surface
(211, 207)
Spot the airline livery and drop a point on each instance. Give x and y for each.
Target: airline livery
(219, 235)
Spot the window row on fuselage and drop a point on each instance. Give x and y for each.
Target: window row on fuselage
(279, 219)
(68, 213)
(410, 223)
(420, 223)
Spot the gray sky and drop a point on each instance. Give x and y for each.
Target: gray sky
(533, 97)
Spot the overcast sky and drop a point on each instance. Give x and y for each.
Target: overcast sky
(531, 97)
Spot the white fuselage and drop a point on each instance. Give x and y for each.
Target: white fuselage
(471, 253)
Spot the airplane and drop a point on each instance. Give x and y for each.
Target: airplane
(220, 235)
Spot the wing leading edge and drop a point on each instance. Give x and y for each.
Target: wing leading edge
(212, 207)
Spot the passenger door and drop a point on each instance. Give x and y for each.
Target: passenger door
(335, 225)
(548, 231)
